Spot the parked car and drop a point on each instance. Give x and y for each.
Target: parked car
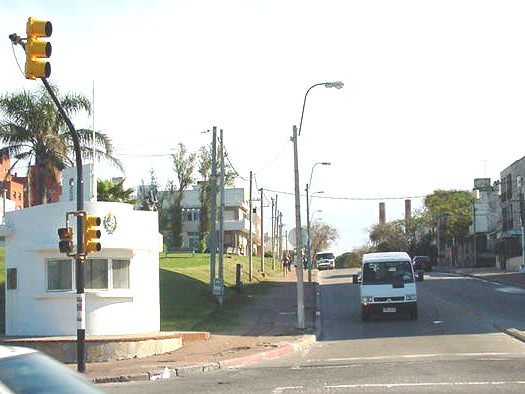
(422, 263)
(24, 370)
(325, 261)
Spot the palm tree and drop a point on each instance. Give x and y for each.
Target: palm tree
(32, 129)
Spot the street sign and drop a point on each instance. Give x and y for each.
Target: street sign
(217, 287)
(304, 237)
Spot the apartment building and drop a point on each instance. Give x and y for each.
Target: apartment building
(236, 219)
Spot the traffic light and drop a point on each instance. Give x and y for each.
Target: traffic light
(91, 233)
(36, 49)
(66, 240)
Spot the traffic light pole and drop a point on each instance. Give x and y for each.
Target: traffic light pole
(79, 272)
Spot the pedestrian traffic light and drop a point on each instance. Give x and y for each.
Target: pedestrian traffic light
(36, 49)
(91, 233)
(65, 245)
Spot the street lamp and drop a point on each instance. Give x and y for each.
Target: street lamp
(337, 85)
(308, 220)
(298, 242)
(308, 202)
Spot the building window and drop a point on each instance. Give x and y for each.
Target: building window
(120, 273)
(12, 280)
(509, 186)
(59, 275)
(192, 215)
(96, 274)
(99, 274)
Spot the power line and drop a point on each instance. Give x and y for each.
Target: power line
(233, 168)
(274, 159)
(350, 198)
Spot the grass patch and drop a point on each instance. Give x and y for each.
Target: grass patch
(186, 302)
(186, 299)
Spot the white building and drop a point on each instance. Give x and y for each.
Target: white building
(121, 281)
(236, 220)
(486, 223)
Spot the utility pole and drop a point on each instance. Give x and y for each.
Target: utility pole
(286, 241)
(308, 242)
(213, 235)
(273, 238)
(250, 239)
(522, 217)
(475, 235)
(298, 240)
(280, 236)
(221, 226)
(262, 230)
(274, 251)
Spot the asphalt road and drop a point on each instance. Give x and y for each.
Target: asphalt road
(456, 345)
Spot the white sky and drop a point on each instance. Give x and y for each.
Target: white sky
(433, 96)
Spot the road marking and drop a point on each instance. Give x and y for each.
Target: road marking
(510, 290)
(393, 385)
(325, 366)
(278, 390)
(430, 355)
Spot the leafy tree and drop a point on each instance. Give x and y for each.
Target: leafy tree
(204, 193)
(322, 236)
(204, 169)
(184, 167)
(389, 237)
(354, 258)
(32, 129)
(452, 208)
(148, 196)
(109, 191)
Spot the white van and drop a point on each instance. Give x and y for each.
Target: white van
(387, 285)
(325, 261)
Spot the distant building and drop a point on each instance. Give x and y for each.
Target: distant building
(236, 219)
(486, 223)
(509, 248)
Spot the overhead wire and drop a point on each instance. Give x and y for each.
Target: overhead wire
(349, 198)
(274, 159)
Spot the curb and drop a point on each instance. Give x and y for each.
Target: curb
(469, 275)
(519, 335)
(513, 332)
(190, 370)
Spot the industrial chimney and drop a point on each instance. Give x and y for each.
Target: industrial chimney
(408, 210)
(382, 215)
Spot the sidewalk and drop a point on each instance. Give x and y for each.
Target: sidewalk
(491, 274)
(268, 329)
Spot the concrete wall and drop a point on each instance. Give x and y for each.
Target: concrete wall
(31, 239)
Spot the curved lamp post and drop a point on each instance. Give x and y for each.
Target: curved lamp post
(300, 290)
(308, 220)
(308, 202)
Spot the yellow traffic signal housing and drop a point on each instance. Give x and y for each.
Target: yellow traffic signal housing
(36, 49)
(65, 245)
(91, 234)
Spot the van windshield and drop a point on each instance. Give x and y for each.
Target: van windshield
(387, 273)
(324, 256)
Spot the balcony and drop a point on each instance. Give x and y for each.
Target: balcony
(238, 225)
